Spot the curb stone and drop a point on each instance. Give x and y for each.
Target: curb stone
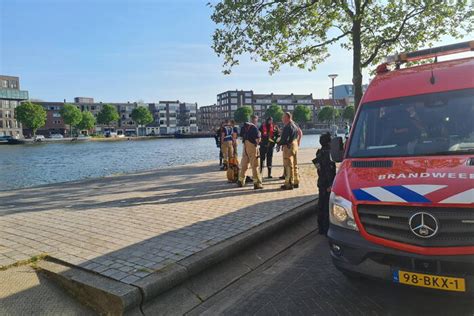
(104, 295)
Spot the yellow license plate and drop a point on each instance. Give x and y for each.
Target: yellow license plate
(431, 281)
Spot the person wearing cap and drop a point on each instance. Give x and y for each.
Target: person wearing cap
(269, 133)
(289, 144)
(326, 174)
(251, 139)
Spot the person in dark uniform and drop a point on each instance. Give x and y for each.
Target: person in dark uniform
(289, 144)
(326, 174)
(251, 139)
(217, 138)
(269, 133)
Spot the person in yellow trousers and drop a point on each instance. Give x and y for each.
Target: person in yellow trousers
(251, 139)
(227, 142)
(289, 144)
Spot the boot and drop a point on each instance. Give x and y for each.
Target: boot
(286, 187)
(240, 184)
(282, 177)
(270, 173)
(257, 186)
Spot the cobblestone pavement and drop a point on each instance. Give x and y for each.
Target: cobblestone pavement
(303, 281)
(125, 227)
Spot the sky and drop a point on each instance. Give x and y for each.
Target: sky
(136, 50)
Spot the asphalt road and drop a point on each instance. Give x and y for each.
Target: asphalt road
(303, 281)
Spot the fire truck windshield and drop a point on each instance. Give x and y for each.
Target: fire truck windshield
(431, 124)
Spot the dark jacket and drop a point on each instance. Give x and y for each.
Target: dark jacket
(289, 134)
(250, 132)
(326, 168)
(217, 137)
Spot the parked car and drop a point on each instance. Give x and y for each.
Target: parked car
(39, 138)
(56, 136)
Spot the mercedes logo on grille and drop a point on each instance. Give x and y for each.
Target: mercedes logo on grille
(423, 225)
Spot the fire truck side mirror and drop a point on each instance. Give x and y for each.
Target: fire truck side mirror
(337, 149)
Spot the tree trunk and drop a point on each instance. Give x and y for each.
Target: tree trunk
(356, 61)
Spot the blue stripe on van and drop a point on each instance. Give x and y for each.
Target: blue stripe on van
(361, 195)
(407, 194)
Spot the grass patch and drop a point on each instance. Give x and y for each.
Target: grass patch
(33, 260)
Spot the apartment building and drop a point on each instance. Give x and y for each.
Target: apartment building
(173, 117)
(10, 98)
(228, 102)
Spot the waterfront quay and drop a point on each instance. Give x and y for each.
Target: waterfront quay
(130, 226)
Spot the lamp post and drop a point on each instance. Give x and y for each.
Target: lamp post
(333, 76)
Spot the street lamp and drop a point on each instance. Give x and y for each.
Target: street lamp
(333, 76)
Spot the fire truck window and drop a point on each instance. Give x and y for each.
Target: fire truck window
(420, 125)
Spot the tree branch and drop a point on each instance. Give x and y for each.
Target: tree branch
(393, 39)
(306, 50)
(346, 8)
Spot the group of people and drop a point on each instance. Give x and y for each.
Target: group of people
(259, 143)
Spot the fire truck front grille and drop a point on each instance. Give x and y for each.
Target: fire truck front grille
(455, 225)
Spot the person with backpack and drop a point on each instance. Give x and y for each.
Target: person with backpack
(228, 139)
(270, 133)
(251, 138)
(326, 174)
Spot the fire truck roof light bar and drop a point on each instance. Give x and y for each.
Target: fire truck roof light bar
(431, 52)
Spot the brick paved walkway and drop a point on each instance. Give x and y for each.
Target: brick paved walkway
(125, 227)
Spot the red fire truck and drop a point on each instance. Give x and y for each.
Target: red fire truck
(402, 203)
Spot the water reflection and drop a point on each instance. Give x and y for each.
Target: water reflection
(31, 165)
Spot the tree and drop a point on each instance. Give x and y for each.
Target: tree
(299, 33)
(275, 112)
(328, 114)
(31, 115)
(107, 115)
(142, 116)
(87, 121)
(302, 114)
(71, 115)
(348, 113)
(243, 114)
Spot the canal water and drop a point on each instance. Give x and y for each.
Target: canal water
(31, 165)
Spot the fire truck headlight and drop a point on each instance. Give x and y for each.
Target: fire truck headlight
(340, 212)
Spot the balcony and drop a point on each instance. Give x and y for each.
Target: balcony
(13, 94)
